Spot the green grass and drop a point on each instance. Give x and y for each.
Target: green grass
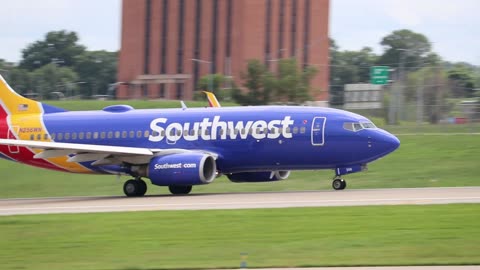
(374, 235)
(421, 161)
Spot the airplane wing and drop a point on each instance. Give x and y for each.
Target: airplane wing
(100, 154)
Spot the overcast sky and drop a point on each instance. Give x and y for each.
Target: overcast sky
(453, 27)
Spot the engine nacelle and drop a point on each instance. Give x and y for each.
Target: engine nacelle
(258, 176)
(186, 169)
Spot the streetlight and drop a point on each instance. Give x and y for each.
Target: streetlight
(210, 81)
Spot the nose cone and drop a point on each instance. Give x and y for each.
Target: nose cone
(389, 142)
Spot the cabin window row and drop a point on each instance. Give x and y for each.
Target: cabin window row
(139, 134)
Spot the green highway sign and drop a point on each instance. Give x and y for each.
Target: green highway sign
(379, 74)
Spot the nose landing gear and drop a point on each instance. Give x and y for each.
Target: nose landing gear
(338, 183)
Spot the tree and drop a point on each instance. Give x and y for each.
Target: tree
(59, 47)
(404, 45)
(293, 83)
(462, 80)
(97, 69)
(51, 78)
(212, 83)
(259, 82)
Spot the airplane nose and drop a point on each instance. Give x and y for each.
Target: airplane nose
(390, 142)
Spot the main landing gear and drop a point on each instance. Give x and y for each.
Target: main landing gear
(135, 187)
(180, 190)
(338, 183)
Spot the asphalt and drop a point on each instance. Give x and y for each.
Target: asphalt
(353, 197)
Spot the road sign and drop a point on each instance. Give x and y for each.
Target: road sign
(379, 74)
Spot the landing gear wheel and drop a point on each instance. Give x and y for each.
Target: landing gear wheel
(142, 187)
(180, 190)
(135, 188)
(339, 184)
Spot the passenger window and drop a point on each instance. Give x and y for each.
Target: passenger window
(32, 137)
(124, 134)
(89, 135)
(220, 132)
(45, 137)
(103, 135)
(110, 134)
(295, 130)
(207, 132)
(303, 130)
(95, 135)
(117, 134)
(74, 136)
(155, 133)
(81, 135)
(146, 133)
(60, 136)
(67, 136)
(39, 137)
(53, 136)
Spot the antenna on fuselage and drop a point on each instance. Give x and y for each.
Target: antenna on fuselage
(184, 106)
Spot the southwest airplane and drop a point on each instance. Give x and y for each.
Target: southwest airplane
(180, 148)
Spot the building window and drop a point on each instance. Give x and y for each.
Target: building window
(280, 29)
(268, 32)
(214, 37)
(198, 29)
(294, 29)
(306, 33)
(148, 16)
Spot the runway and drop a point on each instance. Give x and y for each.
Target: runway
(241, 200)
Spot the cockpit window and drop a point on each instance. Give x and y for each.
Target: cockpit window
(357, 126)
(368, 125)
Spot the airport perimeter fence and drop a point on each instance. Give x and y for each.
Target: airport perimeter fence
(427, 119)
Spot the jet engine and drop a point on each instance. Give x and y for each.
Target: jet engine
(247, 177)
(186, 169)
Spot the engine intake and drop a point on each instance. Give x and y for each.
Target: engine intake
(252, 177)
(184, 169)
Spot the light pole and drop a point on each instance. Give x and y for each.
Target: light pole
(210, 81)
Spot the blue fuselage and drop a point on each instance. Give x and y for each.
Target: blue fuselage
(263, 138)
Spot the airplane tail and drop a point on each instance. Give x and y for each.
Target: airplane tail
(13, 103)
(212, 99)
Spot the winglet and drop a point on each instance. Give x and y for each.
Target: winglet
(212, 99)
(184, 106)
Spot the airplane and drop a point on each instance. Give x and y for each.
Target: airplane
(181, 148)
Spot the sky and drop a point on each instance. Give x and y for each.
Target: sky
(453, 27)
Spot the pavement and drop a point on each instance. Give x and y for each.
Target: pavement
(353, 197)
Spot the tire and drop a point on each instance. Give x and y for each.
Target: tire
(180, 190)
(131, 188)
(344, 184)
(339, 184)
(142, 188)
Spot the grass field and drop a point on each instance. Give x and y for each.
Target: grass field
(375, 235)
(421, 161)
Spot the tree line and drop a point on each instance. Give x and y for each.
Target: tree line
(59, 64)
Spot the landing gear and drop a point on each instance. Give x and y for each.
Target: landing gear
(339, 184)
(180, 190)
(135, 188)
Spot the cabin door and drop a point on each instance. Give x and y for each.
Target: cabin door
(318, 131)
